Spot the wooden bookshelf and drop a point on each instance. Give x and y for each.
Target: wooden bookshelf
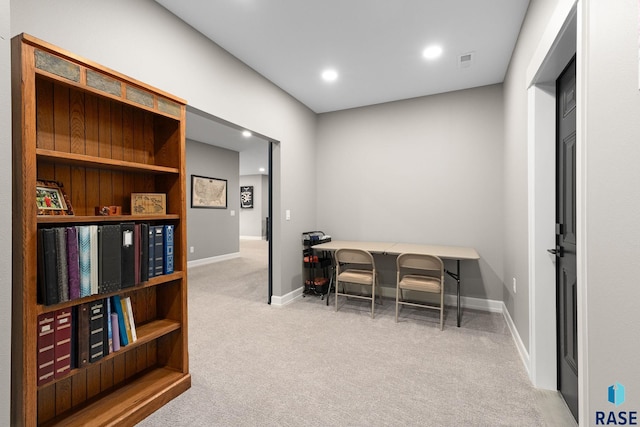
(103, 136)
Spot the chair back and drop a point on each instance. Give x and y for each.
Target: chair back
(420, 262)
(354, 256)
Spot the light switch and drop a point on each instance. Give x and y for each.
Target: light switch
(287, 214)
(233, 213)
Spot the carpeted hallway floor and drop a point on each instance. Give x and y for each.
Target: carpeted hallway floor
(306, 365)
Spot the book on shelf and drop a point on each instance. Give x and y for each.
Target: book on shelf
(115, 331)
(47, 269)
(137, 241)
(116, 307)
(61, 264)
(109, 258)
(131, 326)
(93, 256)
(151, 259)
(108, 342)
(127, 321)
(73, 264)
(127, 243)
(82, 334)
(84, 250)
(62, 336)
(46, 348)
(144, 252)
(168, 248)
(96, 330)
(158, 250)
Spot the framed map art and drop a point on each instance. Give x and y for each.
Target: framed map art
(208, 192)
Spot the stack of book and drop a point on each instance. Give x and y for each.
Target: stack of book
(74, 337)
(83, 260)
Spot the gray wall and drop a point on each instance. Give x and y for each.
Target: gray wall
(611, 133)
(424, 170)
(5, 227)
(213, 232)
(516, 168)
(252, 220)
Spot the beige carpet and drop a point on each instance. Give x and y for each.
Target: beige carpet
(305, 365)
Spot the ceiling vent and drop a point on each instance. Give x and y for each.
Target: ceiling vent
(466, 60)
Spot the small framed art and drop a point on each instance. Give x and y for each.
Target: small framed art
(51, 199)
(246, 196)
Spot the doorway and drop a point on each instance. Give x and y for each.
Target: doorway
(243, 160)
(566, 238)
(557, 47)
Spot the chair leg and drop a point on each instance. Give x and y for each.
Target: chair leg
(373, 299)
(441, 309)
(397, 299)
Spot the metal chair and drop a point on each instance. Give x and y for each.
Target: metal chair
(421, 273)
(355, 266)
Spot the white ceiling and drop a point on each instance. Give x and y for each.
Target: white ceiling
(254, 150)
(375, 46)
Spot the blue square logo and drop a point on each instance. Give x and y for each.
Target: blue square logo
(616, 394)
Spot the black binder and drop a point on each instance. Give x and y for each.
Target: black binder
(48, 272)
(158, 250)
(144, 255)
(151, 253)
(97, 312)
(109, 258)
(82, 329)
(128, 254)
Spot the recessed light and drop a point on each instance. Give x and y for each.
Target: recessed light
(432, 52)
(329, 75)
(246, 133)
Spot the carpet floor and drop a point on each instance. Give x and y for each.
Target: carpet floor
(304, 364)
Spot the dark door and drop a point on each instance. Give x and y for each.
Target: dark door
(566, 275)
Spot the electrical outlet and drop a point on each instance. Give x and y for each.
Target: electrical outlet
(514, 285)
(191, 249)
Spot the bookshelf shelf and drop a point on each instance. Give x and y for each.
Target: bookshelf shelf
(89, 219)
(101, 163)
(154, 281)
(102, 136)
(122, 407)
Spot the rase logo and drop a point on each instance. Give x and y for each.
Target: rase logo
(616, 396)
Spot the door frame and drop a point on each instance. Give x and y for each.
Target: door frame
(559, 43)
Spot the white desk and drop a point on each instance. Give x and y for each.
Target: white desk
(456, 253)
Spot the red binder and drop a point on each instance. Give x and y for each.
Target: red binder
(62, 347)
(46, 341)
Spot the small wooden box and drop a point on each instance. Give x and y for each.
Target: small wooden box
(108, 210)
(148, 204)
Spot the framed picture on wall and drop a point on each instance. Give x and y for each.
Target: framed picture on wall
(246, 196)
(208, 192)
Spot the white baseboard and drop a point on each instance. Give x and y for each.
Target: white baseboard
(252, 238)
(522, 351)
(288, 298)
(211, 260)
(489, 305)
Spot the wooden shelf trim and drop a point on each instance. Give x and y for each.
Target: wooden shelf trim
(101, 162)
(81, 219)
(146, 333)
(154, 281)
(132, 402)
